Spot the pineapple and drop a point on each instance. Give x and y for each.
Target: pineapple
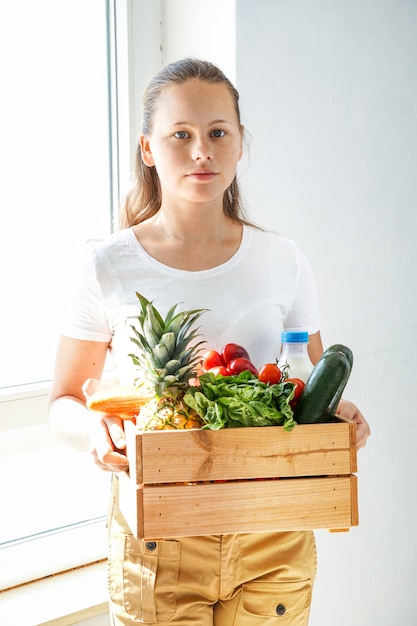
(168, 362)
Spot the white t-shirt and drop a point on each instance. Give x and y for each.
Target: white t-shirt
(265, 287)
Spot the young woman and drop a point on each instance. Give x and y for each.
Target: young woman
(184, 240)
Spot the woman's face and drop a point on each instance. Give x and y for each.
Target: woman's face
(195, 142)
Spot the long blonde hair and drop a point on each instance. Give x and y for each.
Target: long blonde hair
(144, 198)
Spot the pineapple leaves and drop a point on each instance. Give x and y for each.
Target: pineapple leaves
(167, 350)
(150, 335)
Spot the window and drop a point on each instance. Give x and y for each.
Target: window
(56, 193)
(55, 168)
(72, 78)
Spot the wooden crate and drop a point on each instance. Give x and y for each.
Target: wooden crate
(201, 482)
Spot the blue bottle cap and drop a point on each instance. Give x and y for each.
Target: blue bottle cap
(294, 336)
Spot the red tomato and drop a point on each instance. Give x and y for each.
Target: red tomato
(270, 374)
(241, 364)
(219, 370)
(299, 388)
(212, 359)
(233, 351)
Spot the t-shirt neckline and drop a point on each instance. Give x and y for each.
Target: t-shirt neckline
(246, 233)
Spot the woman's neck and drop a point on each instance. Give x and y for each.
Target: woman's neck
(193, 243)
(202, 227)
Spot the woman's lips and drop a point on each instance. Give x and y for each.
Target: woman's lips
(202, 175)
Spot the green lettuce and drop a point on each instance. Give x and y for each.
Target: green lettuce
(242, 400)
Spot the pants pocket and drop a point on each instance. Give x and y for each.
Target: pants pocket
(143, 576)
(281, 603)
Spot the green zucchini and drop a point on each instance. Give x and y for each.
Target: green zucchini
(338, 347)
(324, 387)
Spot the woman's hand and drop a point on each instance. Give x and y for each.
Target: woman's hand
(351, 412)
(108, 444)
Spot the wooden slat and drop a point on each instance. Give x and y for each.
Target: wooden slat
(134, 452)
(354, 500)
(131, 504)
(316, 490)
(275, 505)
(199, 455)
(353, 449)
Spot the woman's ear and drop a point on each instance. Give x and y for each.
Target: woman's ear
(145, 148)
(242, 137)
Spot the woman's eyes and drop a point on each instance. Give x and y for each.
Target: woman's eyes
(183, 134)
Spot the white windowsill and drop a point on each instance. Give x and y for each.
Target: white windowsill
(57, 600)
(30, 390)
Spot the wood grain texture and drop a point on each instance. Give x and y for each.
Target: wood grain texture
(240, 480)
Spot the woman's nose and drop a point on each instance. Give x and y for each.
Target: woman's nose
(202, 150)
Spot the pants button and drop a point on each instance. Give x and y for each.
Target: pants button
(150, 545)
(280, 610)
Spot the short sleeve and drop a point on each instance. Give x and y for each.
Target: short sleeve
(305, 313)
(86, 316)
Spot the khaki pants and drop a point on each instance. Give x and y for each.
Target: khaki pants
(262, 579)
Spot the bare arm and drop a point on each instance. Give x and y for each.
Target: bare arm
(69, 418)
(315, 347)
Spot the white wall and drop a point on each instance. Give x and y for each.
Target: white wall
(329, 95)
(201, 29)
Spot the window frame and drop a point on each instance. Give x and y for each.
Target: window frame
(133, 31)
(23, 414)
